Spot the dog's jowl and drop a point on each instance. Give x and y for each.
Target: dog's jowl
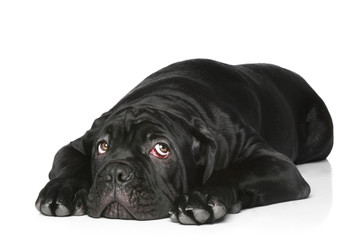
(194, 141)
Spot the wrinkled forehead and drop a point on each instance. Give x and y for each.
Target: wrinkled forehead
(128, 126)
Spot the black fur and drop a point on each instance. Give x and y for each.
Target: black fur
(234, 133)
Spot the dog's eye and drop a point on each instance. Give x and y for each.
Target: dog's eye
(161, 150)
(103, 147)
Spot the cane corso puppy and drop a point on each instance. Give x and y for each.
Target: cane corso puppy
(194, 141)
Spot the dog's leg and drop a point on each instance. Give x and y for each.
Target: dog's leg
(265, 177)
(70, 178)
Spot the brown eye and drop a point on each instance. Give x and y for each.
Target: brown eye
(103, 147)
(161, 150)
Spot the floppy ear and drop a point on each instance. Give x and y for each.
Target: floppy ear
(78, 145)
(84, 144)
(206, 149)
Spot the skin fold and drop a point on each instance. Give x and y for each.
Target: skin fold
(194, 141)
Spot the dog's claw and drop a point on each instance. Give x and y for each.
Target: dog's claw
(62, 211)
(46, 208)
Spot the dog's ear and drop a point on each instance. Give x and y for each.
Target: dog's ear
(204, 146)
(85, 143)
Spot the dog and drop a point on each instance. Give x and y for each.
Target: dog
(194, 141)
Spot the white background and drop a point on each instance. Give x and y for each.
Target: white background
(63, 63)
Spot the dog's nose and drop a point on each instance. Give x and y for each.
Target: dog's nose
(117, 173)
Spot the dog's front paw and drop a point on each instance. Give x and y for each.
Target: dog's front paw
(197, 208)
(63, 197)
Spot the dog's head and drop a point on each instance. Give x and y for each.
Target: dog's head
(142, 160)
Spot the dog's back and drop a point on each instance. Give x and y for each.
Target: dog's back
(277, 103)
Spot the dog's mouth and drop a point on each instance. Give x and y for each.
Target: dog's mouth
(127, 201)
(116, 210)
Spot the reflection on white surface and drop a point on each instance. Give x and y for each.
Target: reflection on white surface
(318, 175)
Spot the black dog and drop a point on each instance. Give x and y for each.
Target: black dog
(196, 140)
